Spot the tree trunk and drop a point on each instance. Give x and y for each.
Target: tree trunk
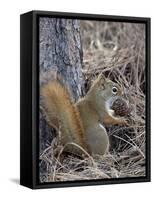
(60, 49)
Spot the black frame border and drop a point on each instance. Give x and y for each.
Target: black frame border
(29, 62)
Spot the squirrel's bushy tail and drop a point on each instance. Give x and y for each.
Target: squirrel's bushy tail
(62, 113)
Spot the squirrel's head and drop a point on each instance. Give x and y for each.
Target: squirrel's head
(105, 88)
(108, 95)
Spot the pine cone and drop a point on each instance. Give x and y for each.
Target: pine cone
(121, 107)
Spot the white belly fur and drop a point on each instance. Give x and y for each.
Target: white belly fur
(97, 139)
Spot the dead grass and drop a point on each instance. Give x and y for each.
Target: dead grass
(118, 51)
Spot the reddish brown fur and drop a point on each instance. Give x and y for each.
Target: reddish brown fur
(81, 123)
(60, 108)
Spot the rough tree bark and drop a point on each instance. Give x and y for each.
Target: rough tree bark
(60, 48)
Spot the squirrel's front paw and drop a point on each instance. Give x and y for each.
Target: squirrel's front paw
(123, 121)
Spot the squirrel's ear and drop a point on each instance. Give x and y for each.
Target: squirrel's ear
(101, 79)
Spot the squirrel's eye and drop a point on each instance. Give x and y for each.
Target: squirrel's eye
(114, 90)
